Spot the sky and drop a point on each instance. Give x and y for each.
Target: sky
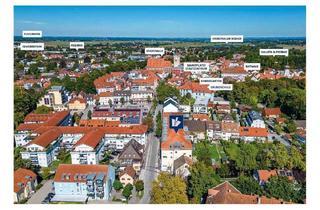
(162, 21)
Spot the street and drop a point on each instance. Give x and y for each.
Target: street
(85, 112)
(150, 169)
(42, 193)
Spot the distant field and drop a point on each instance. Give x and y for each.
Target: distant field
(298, 47)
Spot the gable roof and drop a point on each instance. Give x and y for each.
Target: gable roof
(75, 169)
(131, 151)
(226, 193)
(265, 175)
(253, 132)
(91, 139)
(128, 170)
(46, 138)
(271, 111)
(195, 125)
(183, 159)
(174, 138)
(21, 178)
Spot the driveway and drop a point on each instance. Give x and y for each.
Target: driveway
(42, 193)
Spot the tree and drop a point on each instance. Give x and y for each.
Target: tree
(110, 102)
(248, 185)
(122, 101)
(139, 185)
(201, 179)
(43, 110)
(76, 118)
(223, 171)
(89, 114)
(164, 91)
(298, 160)
(281, 156)
(168, 189)
(281, 188)
(202, 152)
(45, 173)
(117, 185)
(127, 191)
(290, 126)
(159, 125)
(247, 157)
(148, 120)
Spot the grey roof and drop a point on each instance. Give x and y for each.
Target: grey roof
(300, 123)
(180, 161)
(255, 115)
(170, 101)
(227, 117)
(195, 125)
(132, 150)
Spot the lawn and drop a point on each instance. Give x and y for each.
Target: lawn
(214, 152)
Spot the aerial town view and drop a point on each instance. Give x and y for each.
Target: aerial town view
(152, 105)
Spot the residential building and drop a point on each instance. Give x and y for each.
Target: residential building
(181, 166)
(132, 155)
(214, 131)
(57, 97)
(229, 130)
(78, 183)
(200, 106)
(25, 183)
(195, 129)
(226, 193)
(127, 175)
(250, 134)
(77, 104)
(173, 147)
(263, 176)
(89, 149)
(254, 119)
(271, 112)
(158, 64)
(196, 90)
(117, 137)
(43, 149)
(170, 105)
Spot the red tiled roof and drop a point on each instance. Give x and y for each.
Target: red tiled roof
(271, 111)
(74, 169)
(203, 117)
(98, 123)
(195, 87)
(254, 132)
(174, 137)
(91, 139)
(128, 170)
(20, 177)
(264, 175)
(158, 63)
(234, 70)
(46, 138)
(81, 100)
(226, 193)
(134, 129)
(230, 127)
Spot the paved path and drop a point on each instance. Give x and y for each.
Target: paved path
(279, 138)
(42, 193)
(150, 169)
(85, 112)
